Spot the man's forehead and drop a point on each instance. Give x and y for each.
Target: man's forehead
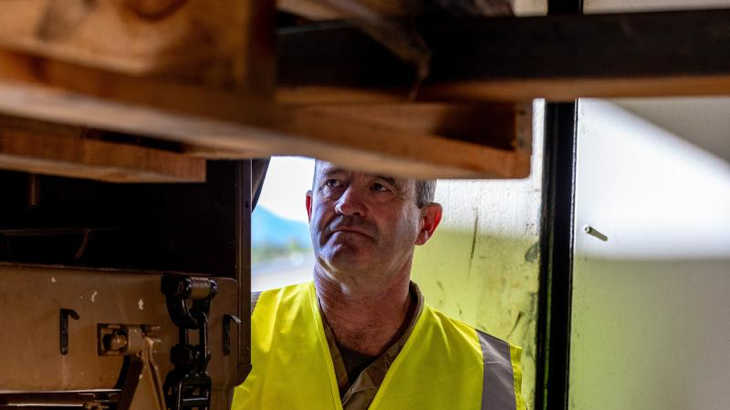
(326, 168)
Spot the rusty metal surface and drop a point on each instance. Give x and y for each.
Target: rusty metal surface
(31, 298)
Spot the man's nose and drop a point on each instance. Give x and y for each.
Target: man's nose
(350, 203)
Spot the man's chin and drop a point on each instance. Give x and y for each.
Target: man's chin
(345, 258)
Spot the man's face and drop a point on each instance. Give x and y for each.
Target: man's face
(365, 224)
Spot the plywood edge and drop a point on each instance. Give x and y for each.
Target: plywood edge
(71, 154)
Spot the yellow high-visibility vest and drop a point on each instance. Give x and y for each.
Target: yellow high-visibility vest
(444, 364)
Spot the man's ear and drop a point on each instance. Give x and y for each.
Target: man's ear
(309, 205)
(431, 219)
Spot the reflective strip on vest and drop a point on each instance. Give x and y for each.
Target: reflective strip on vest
(498, 392)
(445, 364)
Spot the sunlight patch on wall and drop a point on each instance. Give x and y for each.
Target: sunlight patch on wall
(675, 202)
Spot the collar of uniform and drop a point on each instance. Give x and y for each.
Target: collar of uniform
(359, 393)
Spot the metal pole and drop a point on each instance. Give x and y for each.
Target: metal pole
(243, 266)
(556, 245)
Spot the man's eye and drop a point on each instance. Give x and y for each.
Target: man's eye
(332, 183)
(379, 187)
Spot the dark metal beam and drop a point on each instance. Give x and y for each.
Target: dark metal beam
(556, 244)
(243, 209)
(556, 257)
(560, 56)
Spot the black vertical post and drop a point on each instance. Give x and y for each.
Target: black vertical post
(556, 245)
(243, 209)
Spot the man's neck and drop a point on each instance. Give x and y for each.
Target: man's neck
(363, 317)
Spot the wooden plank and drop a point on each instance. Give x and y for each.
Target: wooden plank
(513, 59)
(456, 121)
(405, 132)
(556, 90)
(226, 42)
(321, 10)
(566, 90)
(329, 10)
(233, 122)
(50, 149)
(323, 95)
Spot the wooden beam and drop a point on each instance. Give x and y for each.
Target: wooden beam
(495, 138)
(234, 122)
(329, 10)
(492, 124)
(43, 148)
(429, 140)
(513, 59)
(321, 10)
(229, 42)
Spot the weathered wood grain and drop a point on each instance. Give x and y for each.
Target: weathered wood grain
(233, 122)
(226, 42)
(328, 10)
(50, 149)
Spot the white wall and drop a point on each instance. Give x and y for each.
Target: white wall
(651, 304)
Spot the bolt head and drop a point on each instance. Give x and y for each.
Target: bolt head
(115, 342)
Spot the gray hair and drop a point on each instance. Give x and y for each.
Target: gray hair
(425, 192)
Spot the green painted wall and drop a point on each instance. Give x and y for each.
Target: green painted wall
(482, 265)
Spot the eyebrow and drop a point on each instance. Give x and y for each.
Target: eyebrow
(388, 179)
(333, 171)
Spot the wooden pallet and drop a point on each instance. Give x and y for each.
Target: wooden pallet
(197, 79)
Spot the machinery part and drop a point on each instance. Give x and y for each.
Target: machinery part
(178, 289)
(65, 313)
(248, 179)
(188, 303)
(34, 191)
(99, 297)
(96, 400)
(227, 319)
(142, 385)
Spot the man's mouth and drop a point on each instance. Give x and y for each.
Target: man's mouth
(350, 226)
(351, 231)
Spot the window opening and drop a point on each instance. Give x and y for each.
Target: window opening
(281, 249)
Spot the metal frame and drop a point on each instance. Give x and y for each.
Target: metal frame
(560, 57)
(556, 245)
(243, 265)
